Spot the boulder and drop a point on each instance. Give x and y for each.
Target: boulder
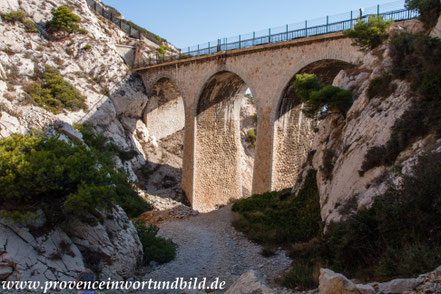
(51, 256)
(112, 245)
(130, 99)
(249, 283)
(331, 283)
(436, 31)
(398, 286)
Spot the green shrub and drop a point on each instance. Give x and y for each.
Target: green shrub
(62, 179)
(380, 86)
(162, 50)
(14, 16)
(328, 163)
(251, 136)
(155, 248)
(368, 34)
(63, 20)
(280, 217)
(20, 16)
(300, 276)
(54, 94)
(321, 100)
(30, 26)
(429, 10)
(101, 145)
(417, 59)
(88, 47)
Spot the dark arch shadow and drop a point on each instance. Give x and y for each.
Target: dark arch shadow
(293, 131)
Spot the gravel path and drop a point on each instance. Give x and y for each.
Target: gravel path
(210, 247)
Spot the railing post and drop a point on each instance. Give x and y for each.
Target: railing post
(119, 23)
(94, 5)
(378, 10)
(240, 45)
(254, 38)
(361, 13)
(209, 48)
(130, 31)
(306, 28)
(352, 18)
(327, 24)
(269, 35)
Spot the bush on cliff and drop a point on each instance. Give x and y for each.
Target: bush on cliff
(54, 94)
(61, 179)
(20, 16)
(429, 10)
(321, 100)
(64, 21)
(368, 34)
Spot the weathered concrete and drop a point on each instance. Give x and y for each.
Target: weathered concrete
(209, 85)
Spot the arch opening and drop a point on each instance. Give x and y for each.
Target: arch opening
(164, 117)
(293, 131)
(164, 114)
(225, 142)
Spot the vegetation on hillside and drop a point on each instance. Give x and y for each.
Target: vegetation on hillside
(54, 94)
(398, 236)
(62, 179)
(321, 100)
(369, 34)
(20, 16)
(64, 21)
(429, 10)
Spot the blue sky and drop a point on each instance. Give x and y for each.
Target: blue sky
(189, 22)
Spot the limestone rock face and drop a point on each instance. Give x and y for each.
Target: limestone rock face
(114, 242)
(249, 283)
(9, 5)
(99, 73)
(24, 256)
(399, 285)
(112, 248)
(331, 283)
(436, 31)
(342, 143)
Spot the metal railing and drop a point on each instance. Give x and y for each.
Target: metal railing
(131, 31)
(330, 24)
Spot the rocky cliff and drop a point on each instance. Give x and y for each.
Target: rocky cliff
(343, 144)
(115, 99)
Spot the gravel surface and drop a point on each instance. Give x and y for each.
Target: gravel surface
(208, 247)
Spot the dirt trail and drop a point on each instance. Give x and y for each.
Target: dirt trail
(210, 247)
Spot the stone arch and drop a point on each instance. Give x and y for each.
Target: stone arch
(164, 114)
(217, 148)
(293, 131)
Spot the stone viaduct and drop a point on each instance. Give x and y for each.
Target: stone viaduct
(206, 89)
